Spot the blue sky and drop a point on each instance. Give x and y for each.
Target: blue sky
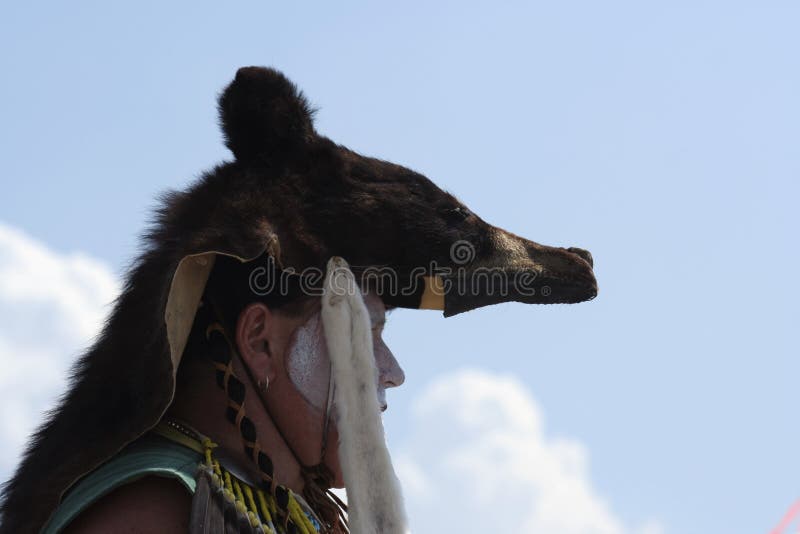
(663, 138)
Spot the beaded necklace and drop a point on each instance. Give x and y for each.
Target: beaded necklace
(223, 502)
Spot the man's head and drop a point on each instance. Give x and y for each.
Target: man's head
(281, 344)
(287, 354)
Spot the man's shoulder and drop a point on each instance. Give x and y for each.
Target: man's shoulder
(151, 466)
(147, 505)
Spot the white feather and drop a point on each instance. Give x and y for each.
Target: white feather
(375, 503)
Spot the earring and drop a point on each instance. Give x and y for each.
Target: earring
(263, 386)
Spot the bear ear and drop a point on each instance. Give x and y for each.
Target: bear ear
(263, 114)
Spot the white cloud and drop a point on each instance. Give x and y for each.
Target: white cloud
(478, 460)
(51, 306)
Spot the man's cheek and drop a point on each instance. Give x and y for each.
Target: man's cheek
(308, 363)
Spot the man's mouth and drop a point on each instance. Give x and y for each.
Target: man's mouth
(382, 399)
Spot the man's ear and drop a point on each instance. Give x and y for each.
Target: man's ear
(253, 336)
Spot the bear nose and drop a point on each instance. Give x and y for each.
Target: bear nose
(585, 254)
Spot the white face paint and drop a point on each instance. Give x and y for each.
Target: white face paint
(308, 363)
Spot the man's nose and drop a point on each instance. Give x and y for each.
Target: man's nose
(390, 374)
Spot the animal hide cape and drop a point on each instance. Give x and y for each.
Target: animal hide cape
(299, 199)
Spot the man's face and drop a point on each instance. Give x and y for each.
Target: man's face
(298, 398)
(308, 360)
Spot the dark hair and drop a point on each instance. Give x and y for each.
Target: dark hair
(232, 286)
(230, 289)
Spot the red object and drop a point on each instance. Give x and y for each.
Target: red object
(786, 522)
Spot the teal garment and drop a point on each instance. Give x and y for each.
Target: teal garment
(147, 456)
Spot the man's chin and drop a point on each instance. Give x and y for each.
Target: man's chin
(336, 470)
(338, 483)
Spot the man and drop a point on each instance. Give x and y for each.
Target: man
(241, 374)
(279, 351)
